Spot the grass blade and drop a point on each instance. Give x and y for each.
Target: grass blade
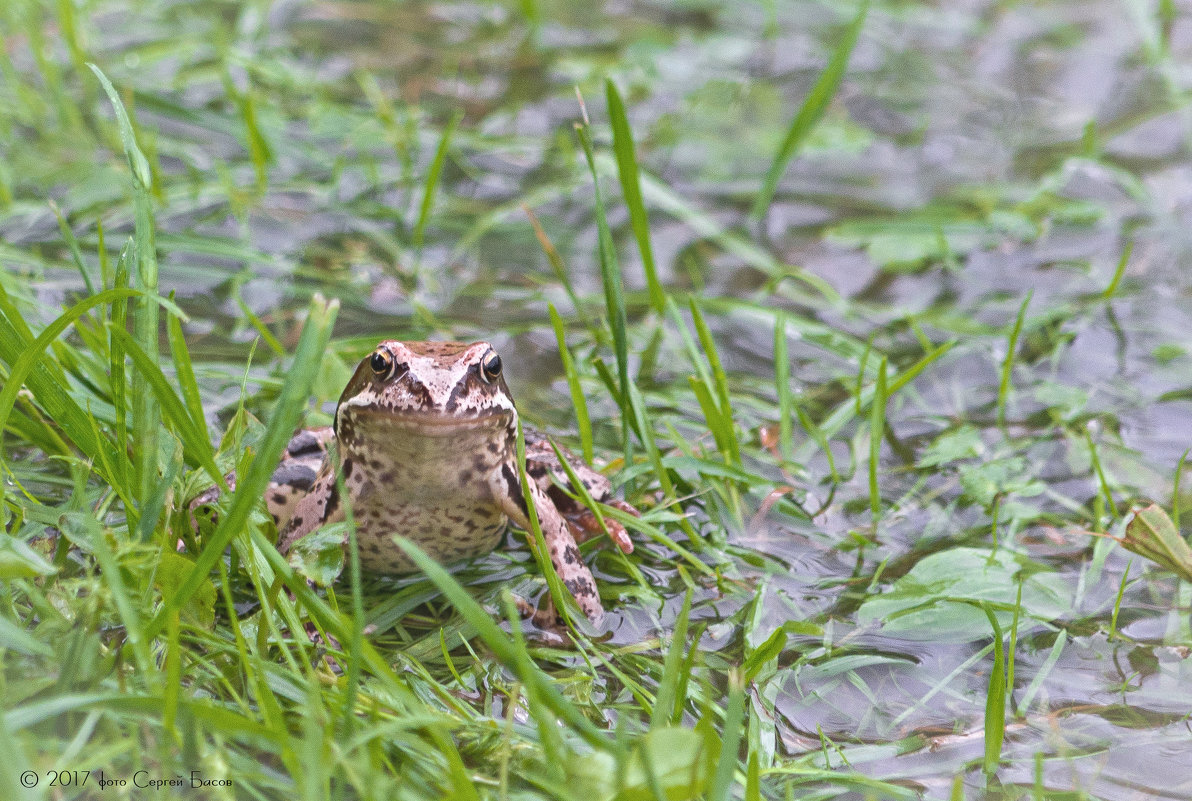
(192, 434)
(850, 408)
(84, 529)
(668, 705)
(185, 373)
(504, 649)
(1102, 481)
(432, 181)
(557, 264)
(1053, 656)
(782, 383)
(582, 421)
(251, 484)
(563, 600)
(116, 375)
(720, 381)
(1003, 389)
(28, 368)
(12, 761)
(877, 429)
(21, 367)
(632, 191)
(734, 717)
(73, 244)
(646, 432)
(995, 700)
(810, 112)
(136, 158)
(146, 415)
(614, 295)
(1123, 260)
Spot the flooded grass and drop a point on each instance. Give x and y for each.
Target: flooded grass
(877, 313)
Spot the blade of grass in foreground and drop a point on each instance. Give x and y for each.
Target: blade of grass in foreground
(562, 599)
(668, 703)
(28, 368)
(21, 367)
(614, 296)
(582, 421)
(632, 191)
(734, 716)
(995, 701)
(720, 378)
(250, 486)
(73, 244)
(116, 374)
(646, 431)
(146, 414)
(550, 740)
(810, 112)
(707, 388)
(12, 763)
(185, 372)
(83, 528)
(504, 650)
(1102, 482)
(192, 434)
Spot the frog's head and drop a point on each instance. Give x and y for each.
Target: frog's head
(434, 388)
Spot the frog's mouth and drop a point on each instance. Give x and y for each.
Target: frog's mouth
(426, 422)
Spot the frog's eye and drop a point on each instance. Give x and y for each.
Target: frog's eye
(490, 367)
(381, 362)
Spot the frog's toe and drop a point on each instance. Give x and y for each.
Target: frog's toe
(620, 536)
(584, 525)
(546, 626)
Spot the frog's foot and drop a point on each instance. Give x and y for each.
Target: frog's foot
(584, 524)
(547, 626)
(293, 477)
(570, 567)
(560, 543)
(300, 465)
(207, 498)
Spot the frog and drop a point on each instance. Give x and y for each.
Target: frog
(423, 442)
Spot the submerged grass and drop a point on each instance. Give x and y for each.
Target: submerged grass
(793, 587)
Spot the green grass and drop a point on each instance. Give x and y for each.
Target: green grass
(849, 483)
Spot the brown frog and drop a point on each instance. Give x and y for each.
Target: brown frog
(425, 435)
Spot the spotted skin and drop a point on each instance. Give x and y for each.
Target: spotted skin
(295, 475)
(425, 435)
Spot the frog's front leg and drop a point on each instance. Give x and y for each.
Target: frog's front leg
(318, 507)
(560, 544)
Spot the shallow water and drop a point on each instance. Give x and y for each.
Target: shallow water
(961, 109)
